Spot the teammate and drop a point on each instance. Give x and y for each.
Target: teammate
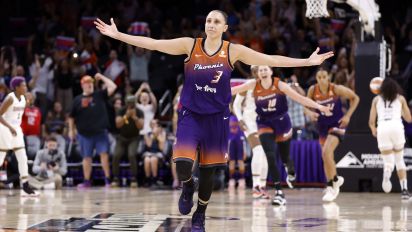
(11, 134)
(204, 113)
(331, 127)
(389, 107)
(247, 122)
(273, 119)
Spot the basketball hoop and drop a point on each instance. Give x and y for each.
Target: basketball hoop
(316, 8)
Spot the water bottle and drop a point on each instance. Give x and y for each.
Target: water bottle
(69, 181)
(124, 181)
(299, 134)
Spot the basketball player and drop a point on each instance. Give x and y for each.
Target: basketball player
(204, 113)
(389, 107)
(11, 134)
(331, 127)
(247, 122)
(273, 120)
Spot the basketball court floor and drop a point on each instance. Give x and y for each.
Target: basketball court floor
(124, 209)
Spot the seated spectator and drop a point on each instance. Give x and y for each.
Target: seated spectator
(49, 166)
(31, 126)
(146, 102)
(155, 144)
(129, 121)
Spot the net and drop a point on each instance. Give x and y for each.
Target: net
(316, 8)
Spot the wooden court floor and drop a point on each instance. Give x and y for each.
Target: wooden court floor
(124, 209)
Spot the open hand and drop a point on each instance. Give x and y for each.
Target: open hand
(344, 121)
(105, 29)
(317, 59)
(325, 110)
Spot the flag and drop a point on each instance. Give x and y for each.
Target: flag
(139, 28)
(64, 43)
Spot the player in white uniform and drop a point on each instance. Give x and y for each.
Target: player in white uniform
(11, 134)
(247, 122)
(389, 107)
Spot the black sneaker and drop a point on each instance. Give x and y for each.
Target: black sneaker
(186, 197)
(279, 198)
(405, 194)
(198, 222)
(27, 191)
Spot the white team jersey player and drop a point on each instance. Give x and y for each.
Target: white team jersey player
(13, 116)
(11, 135)
(390, 131)
(389, 108)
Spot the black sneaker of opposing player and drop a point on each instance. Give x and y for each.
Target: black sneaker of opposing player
(27, 191)
(279, 198)
(405, 195)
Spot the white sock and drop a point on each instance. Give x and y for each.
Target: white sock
(2, 157)
(22, 163)
(260, 165)
(255, 166)
(388, 165)
(404, 184)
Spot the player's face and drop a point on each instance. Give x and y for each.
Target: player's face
(322, 78)
(22, 88)
(215, 24)
(88, 88)
(264, 72)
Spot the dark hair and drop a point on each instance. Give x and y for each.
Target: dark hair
(51, 139)
(390, 89)
(223, 14)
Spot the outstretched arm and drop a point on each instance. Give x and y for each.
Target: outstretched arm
(179, 46)
(302, 99)
(251, 57)
(243, 87)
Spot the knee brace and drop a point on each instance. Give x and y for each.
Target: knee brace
(399, 161)
(388, 162)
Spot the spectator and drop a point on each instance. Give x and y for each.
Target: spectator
(42, 73)
(49, 166)
(139, 65)
(129, 121)
(64, 82)
(114, 69)
(146, 102)
(31, 126)
(155, 143)
(55, 124)
(89, 114)
(237, 153)
(296, 110)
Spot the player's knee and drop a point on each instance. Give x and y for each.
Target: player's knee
(399, 162)
(184, 170)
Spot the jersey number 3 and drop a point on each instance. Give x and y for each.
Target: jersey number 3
(216, 78)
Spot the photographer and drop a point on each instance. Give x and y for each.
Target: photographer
(129, 122)
(49, 165)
